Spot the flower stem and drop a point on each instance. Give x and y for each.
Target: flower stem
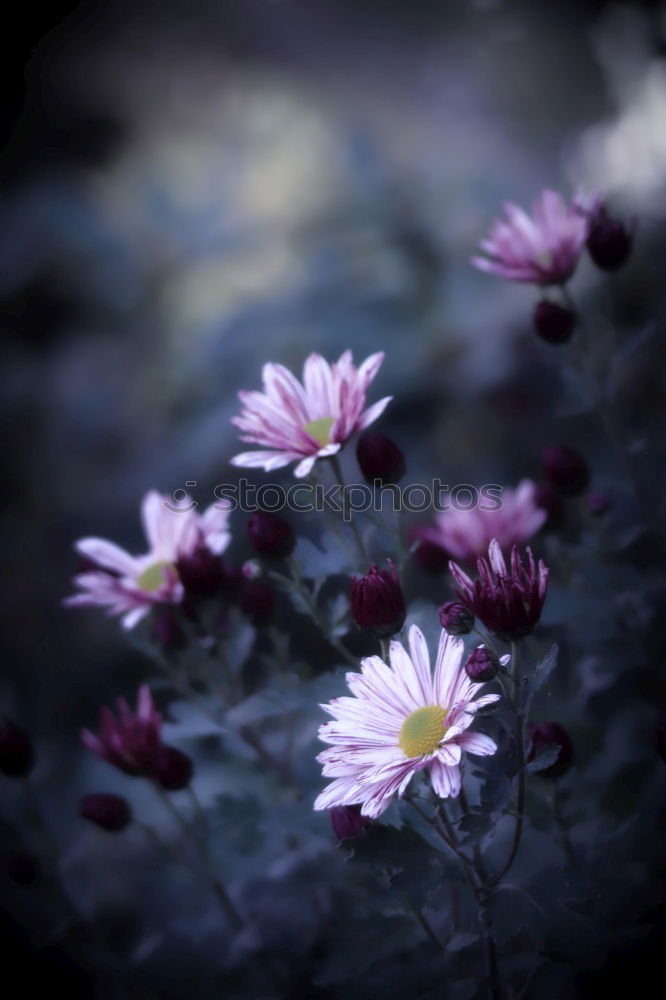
(363, 552)
(314, 612)
(519, 738)
(420, 916)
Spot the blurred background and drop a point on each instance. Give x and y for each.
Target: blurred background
(189, 190)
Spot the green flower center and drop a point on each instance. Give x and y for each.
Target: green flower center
(154, 576)
(320, 429)
(422, 731)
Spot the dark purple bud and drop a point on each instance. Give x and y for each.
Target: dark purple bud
(430, 556)
(456, 619)
(110, 812)
(201, 572)
(547, 734)
(547, 498)
(481, 665)
(660, 740)
(566, 469)
(16, 754)
(377, 602)
(171, 768)
(23, 869)
(258, 601)
(597, 502)
(269, 534)
(347, 821)
(380, 459)
(609, 241)
(167, 629)
(553, 322)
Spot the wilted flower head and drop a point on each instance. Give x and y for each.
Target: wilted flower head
(401, 720)
(377, 602)
(301, 423)
(507, 599)
(131, 585)
(543, 248)
(466, 534)
(133, 743)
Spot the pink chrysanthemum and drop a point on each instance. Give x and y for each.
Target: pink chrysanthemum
(466, 534)
(130, 585)
(542, 248)
(401, 719)
(295, 422)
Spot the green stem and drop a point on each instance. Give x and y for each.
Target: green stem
(519, 738)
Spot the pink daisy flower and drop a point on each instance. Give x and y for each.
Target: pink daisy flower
(542, 248)
(130, 585)
(402, 718)
(466, 534)
(304, 422)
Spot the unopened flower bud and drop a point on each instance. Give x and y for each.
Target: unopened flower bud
(110, 812)
(547, 734)
(171, 768)
(201, 572)
(377, 602)
(481, 665)
(456, 619)
(347, 821)
(610, 240)
(553, 323)
(167, 630)
(258, 601)
(597, 502)
(269, 534)
(380, 459)
(566, 469)
(24, 869)
(16, 754)
(547, 498)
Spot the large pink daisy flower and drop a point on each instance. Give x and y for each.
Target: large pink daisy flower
(543, 248)
(295, 422)
(466, 534)
(130, 585)
(402, 718)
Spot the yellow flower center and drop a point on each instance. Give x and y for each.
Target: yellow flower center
(320, 429)
(153, 577)
(422, 731)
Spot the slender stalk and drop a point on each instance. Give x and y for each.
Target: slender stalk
(519, 738)
(420, 916)
(477, 854)
(314, 612)
(337, 468)
(232, 914)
